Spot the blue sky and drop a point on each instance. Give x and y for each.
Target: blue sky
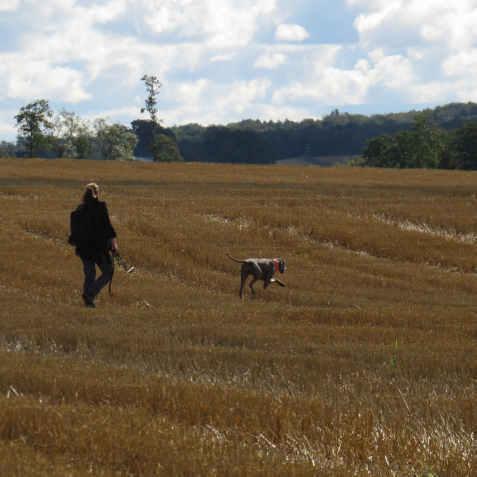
(224, 60)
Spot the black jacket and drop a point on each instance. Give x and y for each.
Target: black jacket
(96, 230)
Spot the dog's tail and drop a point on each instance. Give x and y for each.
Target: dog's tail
(235, 259)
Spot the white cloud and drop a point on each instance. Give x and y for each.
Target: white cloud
(290, 32)
(120, 114)
(8, 130)
(368, 3)
(219, 24)
(333, 87)
(270, 60)
(100, 53)
(62, 33)
(430, 92)
(104, 13)
(231, 102)
(70, 32)
(397, 22)
(461, 64)
(392, 71)
(429, 44)
(222, 58)
(29, 78)
(190, 92)
(214, 62)
(330, 85)
(272, 112)
(9, 5)
(323, 82)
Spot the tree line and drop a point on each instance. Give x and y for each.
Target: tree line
(424, 146)
(337, 134)
(43, 133)
(440, 137)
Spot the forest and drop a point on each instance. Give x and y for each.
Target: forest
(338, 134)
(443, 137)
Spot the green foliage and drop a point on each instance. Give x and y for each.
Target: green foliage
(7, 149)
(401, 140)
(356, 162)
(153, 85)
(165, 149)
(222, 144)
(155, 141)
(463, 154)
(338, 134)
(74, 137)
(422, 147)
(158, 141)
(34, 125)
(428, 143)
(113, 142)
(143, 129)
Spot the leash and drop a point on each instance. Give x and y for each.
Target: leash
(116, 258)
(128, 268)
(111, 258)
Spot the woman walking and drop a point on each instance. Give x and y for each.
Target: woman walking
(94, 237)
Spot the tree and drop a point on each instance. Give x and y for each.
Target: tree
(223, 144)
(7, 149)
(166, 148)
(464, 147)
(163, 145)
(73, 135)
(153, 85)
(113, 141)
(428, 145)
(33, 122)
(423, 146)
(155, 138)
(338, 134)
(376, 152)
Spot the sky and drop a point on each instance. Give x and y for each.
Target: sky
(221, 61)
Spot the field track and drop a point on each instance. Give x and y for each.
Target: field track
(365, 365)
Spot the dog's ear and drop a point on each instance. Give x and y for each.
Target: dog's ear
(282, 265)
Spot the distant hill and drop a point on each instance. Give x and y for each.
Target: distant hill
(338, 134)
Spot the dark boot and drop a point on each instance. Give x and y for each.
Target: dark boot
(88, 301)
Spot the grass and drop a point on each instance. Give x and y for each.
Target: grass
(364, 365)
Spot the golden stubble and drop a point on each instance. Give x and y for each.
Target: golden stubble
(364, 365)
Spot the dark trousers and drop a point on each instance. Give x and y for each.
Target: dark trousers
(92, 285)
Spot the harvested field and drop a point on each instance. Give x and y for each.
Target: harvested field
(365, 365)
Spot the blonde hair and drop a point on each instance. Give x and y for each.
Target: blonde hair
(91, 192)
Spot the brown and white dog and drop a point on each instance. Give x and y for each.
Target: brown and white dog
(260, 269)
